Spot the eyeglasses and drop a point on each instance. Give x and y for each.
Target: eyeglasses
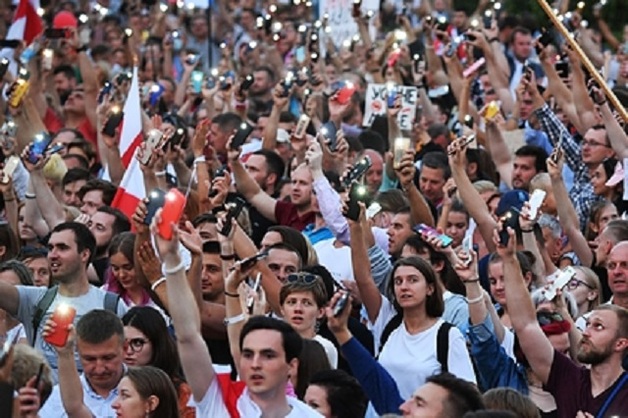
(574, 283)
(587, 143)
(307, 278)
(546, 318)
(136, 344)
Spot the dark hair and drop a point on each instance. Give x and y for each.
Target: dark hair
(438, 161)
(292, 342)
(204, 218)
(487, 413)
(539, 154)
(508, 399)
(75, 174)
(622, 319)
(608, 166)
(227, 122)
(149, 381)
(325, 275)
(211, 247)
(345, 395)
(84, 164)
(268, 70)
(66, 70)
(123, 243)
(274, 163)
(99, 325)
(519, 29)
(82, 236)
(462, 396)
(458, 207)
(121, 222)
(9, 241)
(312, 360)
(287, 247)
(525, 259)
(150, 322)
(21, 271)
(317, 288)
(108, 190)
(391, 200)
(434, 305)
(371, 139)
(294, 238)
(437, 129)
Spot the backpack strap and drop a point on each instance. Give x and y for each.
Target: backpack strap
(41, 308)
(111, 302)
(442, 346)
(610, 398)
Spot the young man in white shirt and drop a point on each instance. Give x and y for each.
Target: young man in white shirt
(269, 350)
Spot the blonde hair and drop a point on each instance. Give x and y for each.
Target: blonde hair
(541, 181)
(55, 169)
(26, 363)
(593, 281)
(483, 186)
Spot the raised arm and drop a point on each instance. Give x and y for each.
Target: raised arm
(534, 343)
(419, 208)
(499, 152)
(614, 131)
(195, 358)
(269, 136)
(49, 206)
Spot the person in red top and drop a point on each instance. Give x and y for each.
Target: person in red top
(297, 213)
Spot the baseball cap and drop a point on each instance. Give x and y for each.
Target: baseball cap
(283, 136)
(64, 19)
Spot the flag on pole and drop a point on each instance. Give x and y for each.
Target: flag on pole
(131, 189)
(26, 24)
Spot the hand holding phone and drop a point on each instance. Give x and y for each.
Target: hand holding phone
(340, 304)
(357, 193)
(63, 316)
(113, 121)
(156, 199)
(428, 231)
(510, 219)
(358, 170)
(241, 135)
(174, 204)
(233, 211)
(560, 280)
(536, 200)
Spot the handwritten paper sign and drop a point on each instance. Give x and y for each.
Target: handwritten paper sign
(342, 26)
(375, 104)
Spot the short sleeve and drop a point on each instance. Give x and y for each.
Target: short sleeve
(458, 360)
(212, 404)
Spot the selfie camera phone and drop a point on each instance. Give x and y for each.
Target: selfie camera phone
(562, 68)
(174, 203)
(233, 212)
(115, 118)
(358, 170)
(340, 304)
(508, 220)
(156, 199)
(329, 132)
(536, 200)
(241, 135)
(38, 147)
(63, 316)
(357, 193)
(428, 231)
(153, 140)
(19, 88)
(559, 282)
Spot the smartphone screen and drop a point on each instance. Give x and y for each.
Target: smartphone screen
(39, 146)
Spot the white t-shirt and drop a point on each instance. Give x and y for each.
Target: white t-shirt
(336, 260)
(411, 359)
(330, 350)
(213, 406)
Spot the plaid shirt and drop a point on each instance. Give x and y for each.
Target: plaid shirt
(581, 193)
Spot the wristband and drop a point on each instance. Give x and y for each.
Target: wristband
(29, 195)
(471, 281)
(476, 300)
(527, 231)
(228, 257)
(200, 159)
(157, 283)
(493, 40)
(160, 173)
(175, 269)
(234, 319)
(232, 295)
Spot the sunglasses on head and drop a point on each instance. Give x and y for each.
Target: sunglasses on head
(307, 278)
(546, 318)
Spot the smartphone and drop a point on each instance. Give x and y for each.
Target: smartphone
(488, 19)
(357, 193)
(246, 83)
(192, 59)
(38, 147)
(465, 141)
(63, 316)
(301, 128)
(427, 230)
(241, 135)
(468, 121)
(344, 93)
(55, 149)
(467, 246)
(359, 169)
(492, 110)
(250, 300)
(559, 282)
(174, 203)
(46, 59)
(473, 68)
(329, 131)
(115, 118)
(156, 199)
(340, 304)
(220, 172)
(373, 209)
(10, 164)
(249, 262)
(391, 95)
(196, 80)
(106, 89)
(286, 84)
(558, 148)
(233, 211)
(510, 219)
(562, 68)
(40, 372)
(153, 141)
(400, 146)
(4, 66)
(536, 200)
(53, 33)
(356, 9)
(18, 89)
(543, 41)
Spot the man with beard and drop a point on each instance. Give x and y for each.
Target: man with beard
(64, 81)
(105, 224)
(601, 390)
(260, 94)
(70, 248)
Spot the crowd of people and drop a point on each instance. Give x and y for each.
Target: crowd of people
(426, 220)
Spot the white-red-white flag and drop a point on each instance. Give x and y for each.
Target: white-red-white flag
(131, 189)
(27, 23)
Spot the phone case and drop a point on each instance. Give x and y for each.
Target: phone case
(373, 209)
(63, 316)
(344, 94)
(391, 96)
(241, 135)
(153, 141)
(156, 200)
(196, 79)
(536, 200)
(39, 146)
(174, 203)
(302, 124)
(427, 230)
(358, 193)
(400, 147)
(358, 171)
(339, 306)
(18, 91)
(559, 282)
(10, 164)
(329, 132)
(232, 213)
(114, 120)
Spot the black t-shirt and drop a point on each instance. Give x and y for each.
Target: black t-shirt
(602, 273)
(101, 265)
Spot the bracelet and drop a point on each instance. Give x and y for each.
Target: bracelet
(157, 283)
(175, 269)
(227, 257)
(493, 40)
(160, 173)
(199, 159)
(527, 230)
(476, 300)
(471, 281)
(29, 195)
(234, 319)
(232, 295)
